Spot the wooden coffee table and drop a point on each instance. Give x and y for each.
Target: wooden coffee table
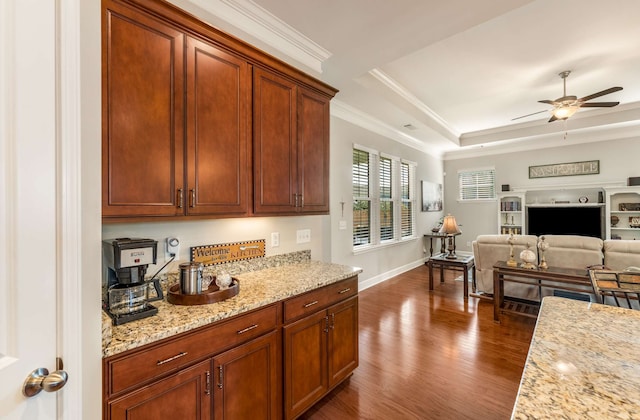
(462, 263)
(575, 280)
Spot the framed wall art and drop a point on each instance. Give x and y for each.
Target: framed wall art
(588, 167)
(431, 196)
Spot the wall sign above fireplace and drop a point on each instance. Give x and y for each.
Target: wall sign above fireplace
(589, 167)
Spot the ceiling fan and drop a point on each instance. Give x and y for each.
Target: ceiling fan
(567, 105)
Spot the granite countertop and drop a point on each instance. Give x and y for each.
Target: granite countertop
(583, 363)
(257, 289)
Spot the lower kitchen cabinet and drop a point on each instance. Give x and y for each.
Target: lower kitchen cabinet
(320, 351)
(247, 381)
(185, 395)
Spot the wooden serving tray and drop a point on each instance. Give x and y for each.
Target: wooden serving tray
(212, 295)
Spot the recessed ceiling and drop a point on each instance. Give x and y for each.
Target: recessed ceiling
(458, 72)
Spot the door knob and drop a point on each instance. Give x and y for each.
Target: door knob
(40, 379)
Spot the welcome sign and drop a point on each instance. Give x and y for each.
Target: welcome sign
(224, 253)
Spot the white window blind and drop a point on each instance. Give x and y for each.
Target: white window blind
(478, 184)
(384, 199)
(407, 201)
(361, 198)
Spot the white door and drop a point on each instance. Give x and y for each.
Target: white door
(28, 202)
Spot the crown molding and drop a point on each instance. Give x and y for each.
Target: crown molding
(438, 123)
(354, 116)
(258, 22)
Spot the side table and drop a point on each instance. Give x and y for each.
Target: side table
(463, 263)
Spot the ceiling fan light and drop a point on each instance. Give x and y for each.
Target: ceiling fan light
(564, 112)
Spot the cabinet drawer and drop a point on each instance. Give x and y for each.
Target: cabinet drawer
(321, 298)
(137, 367)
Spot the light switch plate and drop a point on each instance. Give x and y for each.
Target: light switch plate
(342, 225)
(303, 236)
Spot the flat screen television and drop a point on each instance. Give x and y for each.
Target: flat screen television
(583, 221)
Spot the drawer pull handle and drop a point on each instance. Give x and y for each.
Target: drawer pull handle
(177, 356)
(343, 291)
(315, 302)
(207, 390)
(253, 327)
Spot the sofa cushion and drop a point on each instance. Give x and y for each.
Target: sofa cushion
(621, 254)
(573, 251)
(489, 249)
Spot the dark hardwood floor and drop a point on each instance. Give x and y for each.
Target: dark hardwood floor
(430, 355)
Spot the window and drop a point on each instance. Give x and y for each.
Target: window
(477, 184)
(383, 198)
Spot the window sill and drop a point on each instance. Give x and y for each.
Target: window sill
(372, 248)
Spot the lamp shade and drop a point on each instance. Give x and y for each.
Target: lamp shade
(449, 225)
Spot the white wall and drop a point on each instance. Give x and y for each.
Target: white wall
(217, 231)
(618, 161)
(385, 262)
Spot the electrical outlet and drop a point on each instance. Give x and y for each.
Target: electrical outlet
(172, 247)
(275, 239)
(342, 225)
(468, 244)
(303, 236)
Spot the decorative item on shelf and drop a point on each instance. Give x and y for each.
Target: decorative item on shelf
(583, 199)
(614, 220)
(634, 222)
(629, 206)
(450, 228)
(512, 262)
(528, 257)
(543, 246)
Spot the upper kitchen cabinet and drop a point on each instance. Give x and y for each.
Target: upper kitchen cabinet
(180, 99)
(142, 114)
(291, 146)
(218, 98)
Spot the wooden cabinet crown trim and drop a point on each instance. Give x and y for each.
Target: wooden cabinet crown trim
(192, 25)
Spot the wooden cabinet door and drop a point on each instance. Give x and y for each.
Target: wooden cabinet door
(247, 382)
(218, 98)
(185, 395)
(343, 340)
(313, 151)
(142, 114)
(305, 359)
(274, 144)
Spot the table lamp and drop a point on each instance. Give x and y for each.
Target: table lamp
(450, 228)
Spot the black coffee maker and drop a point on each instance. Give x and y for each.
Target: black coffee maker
(126, 293)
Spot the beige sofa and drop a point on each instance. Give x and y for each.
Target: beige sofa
(569, 251)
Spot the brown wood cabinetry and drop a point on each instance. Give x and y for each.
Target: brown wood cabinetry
(185, 395)
(247, 381)
(291, 146)
(179, 99)
(142, 114)
(237, 369)
(152, 166)
(321, 349)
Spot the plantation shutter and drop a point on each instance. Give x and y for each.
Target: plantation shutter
(361, 197)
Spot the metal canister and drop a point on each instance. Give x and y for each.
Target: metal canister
(191, 278)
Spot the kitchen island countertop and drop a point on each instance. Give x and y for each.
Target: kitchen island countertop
(583, 363)
(257, 289)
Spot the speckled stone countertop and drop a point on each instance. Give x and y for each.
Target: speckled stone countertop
(257, 289)
(583, 363)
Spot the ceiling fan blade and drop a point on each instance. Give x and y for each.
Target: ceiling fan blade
(552, 119)
(599, 104)
(528, 115)
(601, 93)
(546, 101)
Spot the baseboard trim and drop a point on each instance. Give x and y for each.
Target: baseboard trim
(372, 281)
